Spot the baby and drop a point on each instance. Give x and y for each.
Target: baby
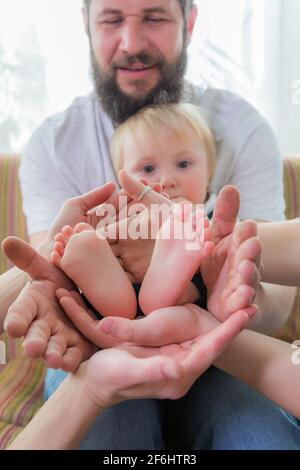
(170, 145)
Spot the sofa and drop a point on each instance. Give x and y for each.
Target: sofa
(21, 380)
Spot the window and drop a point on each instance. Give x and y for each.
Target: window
(249, 47)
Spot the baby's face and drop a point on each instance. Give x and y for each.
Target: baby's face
(180, 166)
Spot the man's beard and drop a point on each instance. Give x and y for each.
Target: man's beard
(120, 106)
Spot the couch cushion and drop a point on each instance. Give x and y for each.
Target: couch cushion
(21, 395)
(21, 380)
(12, 220)
(291, 330)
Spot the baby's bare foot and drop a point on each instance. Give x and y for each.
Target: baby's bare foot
(62, 238)
(177, 255)
(88, 260)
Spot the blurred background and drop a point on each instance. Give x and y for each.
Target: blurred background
(250, 47)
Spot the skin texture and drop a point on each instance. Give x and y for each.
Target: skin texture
(115, 37)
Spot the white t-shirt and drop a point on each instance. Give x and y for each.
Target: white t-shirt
(68, 155)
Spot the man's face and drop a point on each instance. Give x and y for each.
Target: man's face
(138, 53)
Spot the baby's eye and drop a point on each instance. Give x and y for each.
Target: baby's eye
(183, 164)
(148, 168)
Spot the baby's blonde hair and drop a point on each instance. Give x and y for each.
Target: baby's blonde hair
(151, 120)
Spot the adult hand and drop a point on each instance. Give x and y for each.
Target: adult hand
(75, 210)
(36, 314)
(232, 271)
(130, 371)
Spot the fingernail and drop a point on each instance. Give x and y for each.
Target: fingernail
(252, 311)
(109, 327)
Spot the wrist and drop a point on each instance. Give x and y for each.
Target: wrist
(93, 403)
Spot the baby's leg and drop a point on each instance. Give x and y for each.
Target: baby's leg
(174, 262)
(89, 261)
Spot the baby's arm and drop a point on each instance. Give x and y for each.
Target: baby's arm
(270, 366)
(281, 252)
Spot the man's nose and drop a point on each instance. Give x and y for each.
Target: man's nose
(133, 38)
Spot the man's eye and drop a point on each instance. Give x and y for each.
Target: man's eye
(113, 22)
(154, 20)
(148, 168)
(183, 164)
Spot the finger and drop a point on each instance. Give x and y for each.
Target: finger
(55, 350)
(164, 326)
(119, 230)
(154, 186)
(95, 197)
(207, 249)
(209, 347)
(249, 274)
(239, 299)
(126, 372)
(26, 258)
(20, 316)
(71, 294)
(250, 249)
(88, 326)
(36, 339)
(72, 359)
(243, 231)
(119, 200)
(134, 188)
(225, 213)
(77, 297)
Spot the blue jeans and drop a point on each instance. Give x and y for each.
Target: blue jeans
(218, 413)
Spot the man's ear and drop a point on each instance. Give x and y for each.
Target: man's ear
(85, 18)
(191, 21)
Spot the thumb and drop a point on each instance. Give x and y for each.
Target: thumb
(225, 213)
(96, 196)
(26, 258)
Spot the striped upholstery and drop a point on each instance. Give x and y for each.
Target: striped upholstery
(12, 220)
(21, 381)
(291, 329)
(21, 392)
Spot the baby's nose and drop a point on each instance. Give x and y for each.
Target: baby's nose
(168, 181)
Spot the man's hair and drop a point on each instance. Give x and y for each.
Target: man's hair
(186, 5)
(183, 120)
